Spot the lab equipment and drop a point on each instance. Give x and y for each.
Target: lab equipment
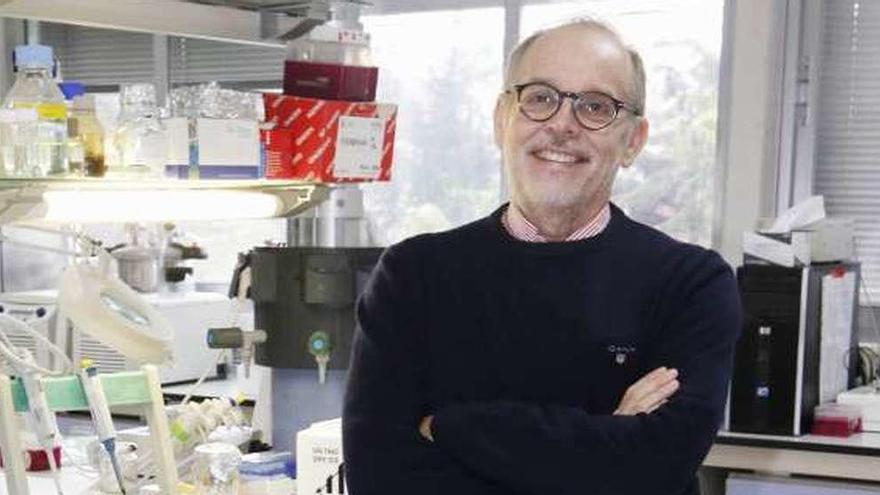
(836, 420)
(267, 473)
(332, 61)
(301, 290)
(797, 348)
(213, 133)
(37, 311)
(138, 259)
(14, 124)
(40, 146)
(101, 305)
(134, 389)
(236, 338)
(141, 139)
(320, 346)
(867, 400)
(31, 374)
(44, 423)
(216, 469)
(101, 416)
(86, 131)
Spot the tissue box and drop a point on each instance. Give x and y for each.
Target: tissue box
(330, 141)
(825, 241)
(319, 464)
(227, 148)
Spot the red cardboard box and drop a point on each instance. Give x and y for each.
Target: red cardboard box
(328, 141)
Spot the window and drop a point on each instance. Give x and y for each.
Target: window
(443, 69)
(847, 144)
(671, 184)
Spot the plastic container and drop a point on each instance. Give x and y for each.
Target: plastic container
(85, 129)
(141, 140)
(836, 420)
(216, 469)
(41, 146)
(267, 473)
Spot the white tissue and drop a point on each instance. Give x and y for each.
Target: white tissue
(808, 211)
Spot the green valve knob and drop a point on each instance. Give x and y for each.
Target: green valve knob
(319, 344)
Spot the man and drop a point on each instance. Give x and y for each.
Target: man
(556, 346)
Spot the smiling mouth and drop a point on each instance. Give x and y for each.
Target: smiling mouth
(561, 157)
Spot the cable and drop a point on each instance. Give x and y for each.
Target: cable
(24, 327)
(30, 374)
(19, 364)
(213, 366)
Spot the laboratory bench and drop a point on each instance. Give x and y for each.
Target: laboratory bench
(856, 458)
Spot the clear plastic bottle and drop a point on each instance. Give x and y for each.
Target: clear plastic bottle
(41, 146)
(141, 140)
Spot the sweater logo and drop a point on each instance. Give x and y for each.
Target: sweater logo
(621, 353)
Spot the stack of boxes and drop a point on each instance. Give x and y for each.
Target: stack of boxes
(327, 127)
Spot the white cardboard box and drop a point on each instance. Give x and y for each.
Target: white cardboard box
(319, 462)
(227, 148)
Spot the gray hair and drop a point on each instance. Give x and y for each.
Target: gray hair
(637, 88)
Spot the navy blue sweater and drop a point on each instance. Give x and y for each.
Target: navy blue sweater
(521, 351)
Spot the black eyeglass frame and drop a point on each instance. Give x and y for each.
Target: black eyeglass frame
(562, 95)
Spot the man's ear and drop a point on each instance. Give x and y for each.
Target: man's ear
(636, 141)
(500, 119)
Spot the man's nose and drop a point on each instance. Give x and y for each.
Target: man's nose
(564, 121)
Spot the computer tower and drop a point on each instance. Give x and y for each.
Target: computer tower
(797, 345)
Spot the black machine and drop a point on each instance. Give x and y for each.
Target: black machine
(789, 357)
(302, 292)
(304, 299)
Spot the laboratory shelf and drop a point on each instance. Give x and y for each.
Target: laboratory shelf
(217, 22)
(65, 200)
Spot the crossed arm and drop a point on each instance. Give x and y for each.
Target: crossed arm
(643, 397)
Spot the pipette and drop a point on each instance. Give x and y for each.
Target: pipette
(44, 419)
(91, 384)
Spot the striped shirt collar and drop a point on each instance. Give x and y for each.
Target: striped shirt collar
(520, 228)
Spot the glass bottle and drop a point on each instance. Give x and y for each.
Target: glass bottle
(75, 153)
(141, 140)
(40, 145)
(89, 134)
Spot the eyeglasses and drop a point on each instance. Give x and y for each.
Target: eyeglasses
(593, 110)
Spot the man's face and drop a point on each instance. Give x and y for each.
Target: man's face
(558, 164)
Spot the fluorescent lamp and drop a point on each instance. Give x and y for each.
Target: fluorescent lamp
(158, 205)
